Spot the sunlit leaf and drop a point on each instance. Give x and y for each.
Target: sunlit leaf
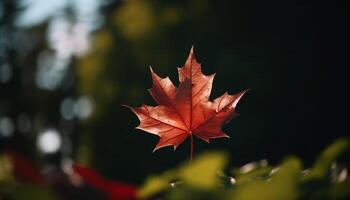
(256, 174)
(323, 163)
(152, 186)
(203, 171)
(186, 111)
(281, 186)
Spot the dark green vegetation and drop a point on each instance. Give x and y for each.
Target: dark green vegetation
(326, 179)
(209, 177)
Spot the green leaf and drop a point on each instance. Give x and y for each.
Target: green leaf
(196, 194)
(203, 171)
(281, 186)
(28, 192)
(156, 184)
(152, 186)
(261, 173)
(6, 170)
(323, 164)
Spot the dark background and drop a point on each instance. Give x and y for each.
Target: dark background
(288, 53)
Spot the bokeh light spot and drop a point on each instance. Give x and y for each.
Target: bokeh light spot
(6, 127)
(49, 141)
(84, 107)
(67, 109)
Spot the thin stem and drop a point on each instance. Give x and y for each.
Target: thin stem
(191, 147)
(191, 106)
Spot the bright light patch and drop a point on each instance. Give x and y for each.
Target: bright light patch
(6, 127)
(84, 107)
(51, 71)
(49, 141)
(34, 12)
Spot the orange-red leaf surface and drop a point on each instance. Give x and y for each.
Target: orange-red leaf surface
(186, 109)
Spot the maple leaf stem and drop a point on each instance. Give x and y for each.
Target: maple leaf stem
(191, 147)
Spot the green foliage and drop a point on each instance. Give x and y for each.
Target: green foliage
(324, 162)
(154, 185)
(203, 172)
(204, 179)
(28, 192)
(11, 189)
(200, 175)
(5, 170)
(281, 185)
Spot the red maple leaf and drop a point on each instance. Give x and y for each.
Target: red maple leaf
(186, 110)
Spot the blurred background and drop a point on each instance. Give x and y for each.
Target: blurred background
(67, 66)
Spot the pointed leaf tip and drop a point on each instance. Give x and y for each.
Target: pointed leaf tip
(192, 49)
